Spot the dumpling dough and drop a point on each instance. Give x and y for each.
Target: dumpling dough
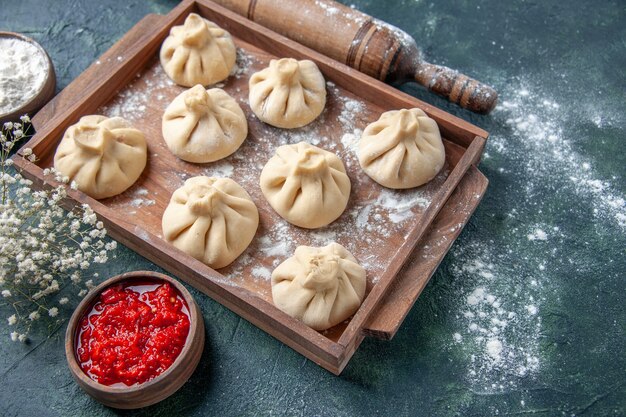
(104, 156)
(306, 185)
(211, 219)
(319, 286)
(204, 126)
(198, 52)
(288, 93)
(402, 149)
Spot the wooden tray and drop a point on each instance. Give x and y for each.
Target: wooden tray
(97, 90)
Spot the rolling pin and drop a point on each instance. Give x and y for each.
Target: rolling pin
(364, 43)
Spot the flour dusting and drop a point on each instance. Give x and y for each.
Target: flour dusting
(219, 169)
(539, 132)
(504, 280)
(499, 324)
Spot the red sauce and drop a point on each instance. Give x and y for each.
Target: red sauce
(133, 333)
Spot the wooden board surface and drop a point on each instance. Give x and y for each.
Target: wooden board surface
(134, 217)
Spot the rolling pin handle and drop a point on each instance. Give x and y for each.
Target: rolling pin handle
(456, 87)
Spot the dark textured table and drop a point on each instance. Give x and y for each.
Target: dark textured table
(525, 316)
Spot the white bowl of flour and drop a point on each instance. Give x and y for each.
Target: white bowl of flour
(27, 78)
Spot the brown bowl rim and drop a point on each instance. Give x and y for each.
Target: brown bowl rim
(45, 90)
(78, 313)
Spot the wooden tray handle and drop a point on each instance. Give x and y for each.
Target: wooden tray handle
(94, 72)
(387, 318)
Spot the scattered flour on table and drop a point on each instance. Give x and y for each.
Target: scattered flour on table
(504, 280)
(23, 72)
(538, 234)
(539, 131)
(499, 324)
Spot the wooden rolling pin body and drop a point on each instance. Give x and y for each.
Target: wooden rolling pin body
(364, 43)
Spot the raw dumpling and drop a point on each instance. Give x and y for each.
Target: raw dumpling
(204, 126)
(211, 219)
(288, 93)
(104, 156)
(319, 286)
(198, 52)
(402, 149)
(306, 185)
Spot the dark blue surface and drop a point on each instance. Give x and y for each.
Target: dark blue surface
(556, 166)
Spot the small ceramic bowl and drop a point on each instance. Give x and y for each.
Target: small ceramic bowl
(162, 386)
(45, 93)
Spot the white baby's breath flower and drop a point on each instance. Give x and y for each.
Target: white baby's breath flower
(8, 126)
(18, 133)
(31, 158)
(74, 185)
(41, 245)
(25, 119)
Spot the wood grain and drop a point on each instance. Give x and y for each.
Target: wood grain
(140, 231)
(157, 389)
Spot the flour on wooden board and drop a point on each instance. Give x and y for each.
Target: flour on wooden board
(368, 222)
(131, 103)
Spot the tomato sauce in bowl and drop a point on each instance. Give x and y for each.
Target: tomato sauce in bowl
(133, 332)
